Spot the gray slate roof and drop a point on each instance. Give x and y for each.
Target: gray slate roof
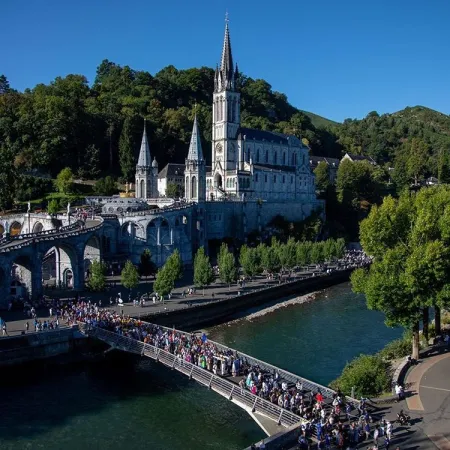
(315, 160)
(144, 154)
(269, 136)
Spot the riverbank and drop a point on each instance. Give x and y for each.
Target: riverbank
(182, 314)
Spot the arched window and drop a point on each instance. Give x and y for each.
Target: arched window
(194, 187)
(257, 155)
(284, 179)
(303, 157)
(284, 159)
(275, 158)
(256, 177)
(142, 190)
(267, 157)
(293, 159)
(274, 179)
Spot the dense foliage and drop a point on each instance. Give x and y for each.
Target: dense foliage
(97, 128)
(367, 374)
(409, 239)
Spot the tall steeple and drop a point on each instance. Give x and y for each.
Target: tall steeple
(226, 80)
(195, 170)
(144, 154)
(195, 147)
(146, 172)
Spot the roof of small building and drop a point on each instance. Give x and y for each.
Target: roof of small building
(269, 136)
(315, 160)
(360, 158)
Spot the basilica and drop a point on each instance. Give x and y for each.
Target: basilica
(248, 166)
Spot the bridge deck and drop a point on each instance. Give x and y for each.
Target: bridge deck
(226, 386)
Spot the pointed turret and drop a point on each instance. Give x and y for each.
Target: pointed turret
(195, 147)
(144, 154)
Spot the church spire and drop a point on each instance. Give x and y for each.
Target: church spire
(144, 154)
(226, 64)
(195, 147)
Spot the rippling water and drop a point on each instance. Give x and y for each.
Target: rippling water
(121, 402)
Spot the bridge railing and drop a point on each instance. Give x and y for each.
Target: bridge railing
(61, 233)
(284, 374)
(220, 385)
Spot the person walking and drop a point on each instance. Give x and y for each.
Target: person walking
(27, 327)
(5, 333)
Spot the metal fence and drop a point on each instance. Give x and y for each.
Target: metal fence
(222, 386)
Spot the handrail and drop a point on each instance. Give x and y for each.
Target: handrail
(59, 234)
(288, 376)
(220, 385)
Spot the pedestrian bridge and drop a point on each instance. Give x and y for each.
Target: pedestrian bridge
(269, 416)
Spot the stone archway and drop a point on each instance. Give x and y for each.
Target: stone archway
(38, 227)
(68, 279)
(217, 180)
(22, 272)
(15, 229)
(92, 252)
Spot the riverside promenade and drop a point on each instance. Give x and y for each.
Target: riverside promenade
(16, 320)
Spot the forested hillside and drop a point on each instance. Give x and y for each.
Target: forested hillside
(96, 128)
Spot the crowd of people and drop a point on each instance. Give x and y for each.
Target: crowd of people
(333, 421)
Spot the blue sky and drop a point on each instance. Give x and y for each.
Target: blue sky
(338, 59)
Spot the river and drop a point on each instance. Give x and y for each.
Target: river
(120, 402)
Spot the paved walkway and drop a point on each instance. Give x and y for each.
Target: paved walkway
(16, 320)
(428, 403)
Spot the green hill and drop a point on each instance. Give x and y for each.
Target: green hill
(319, 121)
(381, 137)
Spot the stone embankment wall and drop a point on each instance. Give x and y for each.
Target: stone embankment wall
(220, 311)
(34, 346)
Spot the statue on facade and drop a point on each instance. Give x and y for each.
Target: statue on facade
(29, 207)
(68, 208)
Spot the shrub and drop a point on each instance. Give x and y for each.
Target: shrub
(396, 349)
(368, 374)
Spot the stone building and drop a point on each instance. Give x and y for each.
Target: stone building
(333, 165)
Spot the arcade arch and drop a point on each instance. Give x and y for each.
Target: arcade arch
(15, 229)
(91, 252)
(38, 227)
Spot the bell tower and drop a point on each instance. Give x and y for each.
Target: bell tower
(226, 115)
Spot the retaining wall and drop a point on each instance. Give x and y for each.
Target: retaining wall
(33, 346)
(221, 310)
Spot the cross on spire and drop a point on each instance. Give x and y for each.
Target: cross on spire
(226, 16)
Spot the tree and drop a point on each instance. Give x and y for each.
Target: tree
(146, 266)
(97, 276)
(418, 153)
(175, 265)
(408, 239)
(4, 85)
(92, 164)
(126, 154)
(227, 266)
(64, 181)
(322, 176)
(270, 261)
(203, 272)
(444, 166)
(164, 283)
(339, 248)
(105, 186)
(356, 181)
(130, 276)
(249, 261)
(173, 190)
(53, 206)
